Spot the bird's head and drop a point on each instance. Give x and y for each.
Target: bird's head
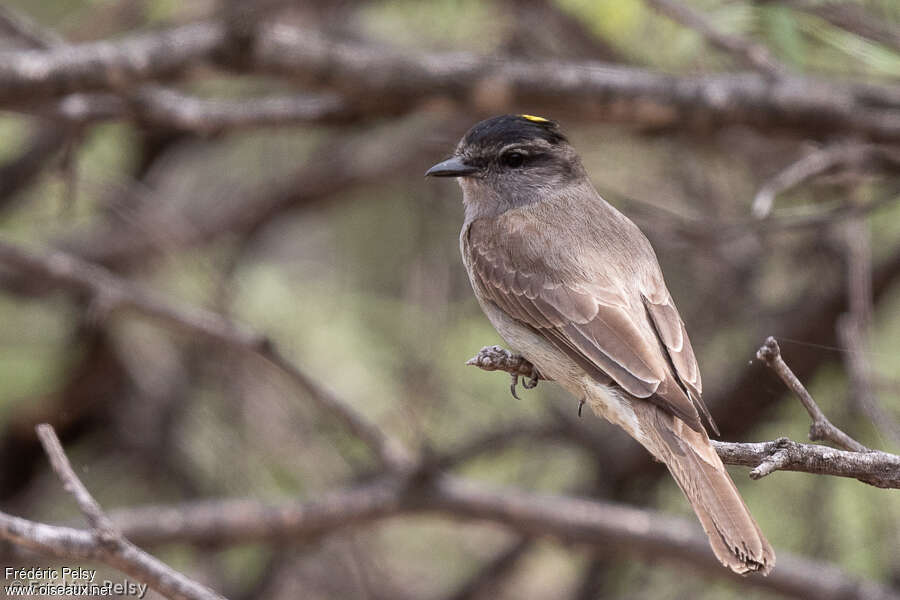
(509, 161)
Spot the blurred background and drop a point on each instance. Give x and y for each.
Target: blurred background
(276, 179)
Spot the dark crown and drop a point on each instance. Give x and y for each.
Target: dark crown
(508, 129)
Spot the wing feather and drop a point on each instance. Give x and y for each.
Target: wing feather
(599, 330)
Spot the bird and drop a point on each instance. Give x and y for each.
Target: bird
(575, 288)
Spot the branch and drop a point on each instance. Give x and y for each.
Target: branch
(580, 89)
(754, 55)
(105, 543)
(821, 428)
(163, 107)
(391, 81)
(880, 469)
(27, 75)
(594, 523)
(154, 105)
(105, 531)
(839, 155)
(110, 293)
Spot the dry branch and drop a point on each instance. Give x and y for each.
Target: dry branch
(821, 428)
(593, 523)
(876, 468)
(163, 107)
(387, 81)
(880, 469)
(567, 519)
(585, 89)
(29, 75)
(104, 543)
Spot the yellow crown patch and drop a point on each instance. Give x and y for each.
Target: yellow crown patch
(535, 119)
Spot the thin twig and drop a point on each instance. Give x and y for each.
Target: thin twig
(106, 532)
(821, 428)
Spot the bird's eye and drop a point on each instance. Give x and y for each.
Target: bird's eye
(513, 159)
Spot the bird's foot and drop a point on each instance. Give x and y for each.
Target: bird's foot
(580, 406)
(495, 358)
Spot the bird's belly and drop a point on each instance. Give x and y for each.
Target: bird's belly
(613, 405)
(605, 400)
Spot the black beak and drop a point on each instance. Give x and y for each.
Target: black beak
(452, 167)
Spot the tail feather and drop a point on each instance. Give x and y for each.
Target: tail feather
(734, 536)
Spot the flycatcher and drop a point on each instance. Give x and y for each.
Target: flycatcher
(574, 286)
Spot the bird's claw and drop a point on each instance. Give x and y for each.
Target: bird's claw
(580, 406)
(512, 385)
(496, 358)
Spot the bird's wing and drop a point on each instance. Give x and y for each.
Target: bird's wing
(671, 332)
(596, 327)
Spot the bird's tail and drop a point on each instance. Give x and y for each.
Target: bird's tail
(734, 536)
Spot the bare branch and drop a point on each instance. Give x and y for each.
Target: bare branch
(839, 155)
(163, 107)
(104, 543)
(97, 519)
(752, 54)
(110, 293)
(584, 89)
(876, 468)
(29, 74)
(879, 469)
(821, 428)
(385, 81)
(593, 523)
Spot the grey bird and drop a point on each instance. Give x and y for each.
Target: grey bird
(573, 286)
